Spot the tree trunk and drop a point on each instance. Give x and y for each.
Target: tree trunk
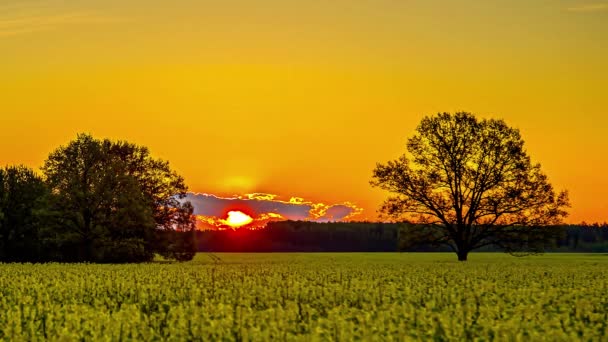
(462, 255)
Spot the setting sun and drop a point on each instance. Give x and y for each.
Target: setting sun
(238, 219)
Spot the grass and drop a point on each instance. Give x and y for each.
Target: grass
(400, 258)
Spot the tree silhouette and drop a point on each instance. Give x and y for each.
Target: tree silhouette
(111, 199)
(22, 214)
(469, 183)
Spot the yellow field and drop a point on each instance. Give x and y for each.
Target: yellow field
(311, 297)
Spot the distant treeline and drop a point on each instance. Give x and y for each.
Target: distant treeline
(305, 236)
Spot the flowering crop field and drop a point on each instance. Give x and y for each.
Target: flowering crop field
(311, 297)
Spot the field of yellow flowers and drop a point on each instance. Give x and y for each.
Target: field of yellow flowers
(311, 297)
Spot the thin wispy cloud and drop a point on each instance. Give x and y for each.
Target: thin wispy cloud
(591, 7)
(37, 16)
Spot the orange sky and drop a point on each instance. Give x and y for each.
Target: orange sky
(302, 98)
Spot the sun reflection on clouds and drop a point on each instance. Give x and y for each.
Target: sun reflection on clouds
(296, 200)
(260, 196)
(213, 212)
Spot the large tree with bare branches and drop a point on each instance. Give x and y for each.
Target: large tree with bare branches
(469, 183)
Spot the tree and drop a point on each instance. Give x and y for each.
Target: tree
(111, 198)
(164, 190)
(469, 183)
(163, 187)
(22, 210)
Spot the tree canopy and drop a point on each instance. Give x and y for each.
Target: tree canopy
(97, 201)
(470, 183)
(23, 206)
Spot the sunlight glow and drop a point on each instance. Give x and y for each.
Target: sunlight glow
(238, 219)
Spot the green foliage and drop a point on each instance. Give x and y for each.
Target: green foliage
(177, 245)
(161, 187)
(23, 206)
(100, 201)
(311, 297)
(110, 199)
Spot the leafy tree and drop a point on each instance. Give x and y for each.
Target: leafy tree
(162, 187)
(22, 211)
(163, 190)
(111, 199)
(469, 183)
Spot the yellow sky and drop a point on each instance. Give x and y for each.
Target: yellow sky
(302, 98)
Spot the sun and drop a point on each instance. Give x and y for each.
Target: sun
(238, 219)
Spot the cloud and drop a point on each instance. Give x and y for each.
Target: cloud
(211, 210)
(29, 17)
(595, 7)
